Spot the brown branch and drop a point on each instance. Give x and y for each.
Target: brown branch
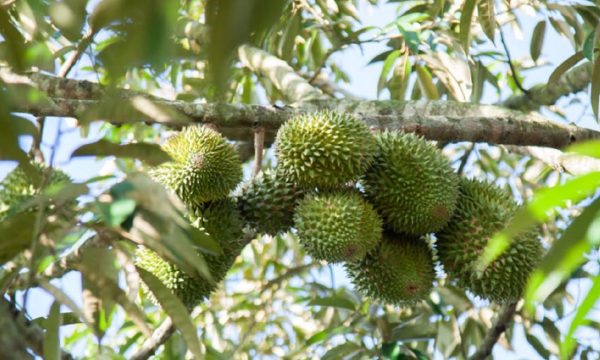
(18, 335)
(159, 337)
(445, 121)
(259, 145)
(504, 319)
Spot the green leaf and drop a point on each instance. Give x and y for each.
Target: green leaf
(326, 334)
(588, 46)
(333, 301)
(537, 40)
(414, 331)
(51, 335)
(17, 234)
(466, 17)
(64, 299)
(151, 154)
(487, 17)
(115, 213)
(565, 255)
(586, 148)
(537, 345)
(387, 67)
(176, 310)
(595, 93)
(341, 351)
(564, 66)
(426, 82)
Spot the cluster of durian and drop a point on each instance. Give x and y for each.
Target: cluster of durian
(372, 202)
(368, 200)
(204, 170)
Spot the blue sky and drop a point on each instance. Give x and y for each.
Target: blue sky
(363, 84)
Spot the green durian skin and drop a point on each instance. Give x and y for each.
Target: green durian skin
(411, 184)
(16, 189)
(268, 202)
(205, 166)
(222, 221)
(337, 226)
(324, 149)
(482, 210)
(399, 271)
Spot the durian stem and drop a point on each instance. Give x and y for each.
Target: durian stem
(159, 337)
(505, 317)
(259, 145)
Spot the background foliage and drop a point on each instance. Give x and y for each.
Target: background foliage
(276, 302)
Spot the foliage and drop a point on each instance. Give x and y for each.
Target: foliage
(277, 301)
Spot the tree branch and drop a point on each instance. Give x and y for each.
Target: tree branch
(574, 80)
(293, 86)
(159, 336)
(445, 121)
(504, 319)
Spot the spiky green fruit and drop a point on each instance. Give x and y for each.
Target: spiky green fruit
(482, 210)
(222, 221)
(399, 271)
(338, 226)
(205, 166)
(268, 202)
(411, 184)
(17, 188)
(324, 149)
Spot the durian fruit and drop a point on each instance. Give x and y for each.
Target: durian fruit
(205, 166)
(482, 210)
(324, 149)
(17, 188)
(411, 184)
(399, 271)
(268, 202)
(337, 226)
(222, 221)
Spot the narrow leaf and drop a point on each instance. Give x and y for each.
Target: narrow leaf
(487, 17)
(537, 40)
(564, 66)
(567, 346)
(64, 299)
(387, 66)
(586, 148)
(176, 310)
(466, 18)
(51, 336)
(426, 82)
(333, 301)
(595, 95)
(151, 154)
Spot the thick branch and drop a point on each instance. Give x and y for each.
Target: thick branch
(293, 86)
(504, 319)
(574, 80)
(435, 120)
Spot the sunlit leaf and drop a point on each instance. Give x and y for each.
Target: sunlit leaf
(587, 148)
(487, 17)
(466, 16)
(564, 66)
(51, 336)
(333, 301)
(537, 40)
(176, 310)
(567, 346)
(387, 67)
(151, 154)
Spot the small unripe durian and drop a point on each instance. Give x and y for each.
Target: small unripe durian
(482, 210)
(399, 271)
(205, 166)
(222, 221)
(268, 202)
(411, 184)
(324, 149)
(338, 226)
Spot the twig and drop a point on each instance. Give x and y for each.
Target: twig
(510, 63)
(288, 274)
(504, 319)
(259, 146)
(465, 159)
(159, 337)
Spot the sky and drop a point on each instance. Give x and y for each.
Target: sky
(363, 84)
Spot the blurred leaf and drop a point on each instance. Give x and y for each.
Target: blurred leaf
(64, 299)
(487, 17)
(416, 330)
(175, 309)
(115, 213)
(51, 335)
(588, 46)
(587, 148)
(466, 16)
(326, 334)
(583, 309)
(564, 66)
(17, 234)
(387, 67)
(537, 40)
(537, 345)
(333, 301)
(565, 254)
(426, 82)
(341, 351)
(152, 154)
(69, 17)
(595, 93)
